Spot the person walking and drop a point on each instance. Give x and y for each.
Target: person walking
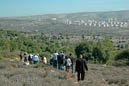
(35, 59)
(44, 60)
(21, 56)
(68, 63)
(60, 60)
(30, 58)
(72, 61)
(81, 67)
(26, 62)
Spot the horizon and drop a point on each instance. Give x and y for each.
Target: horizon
(15, 8)
(63, 13)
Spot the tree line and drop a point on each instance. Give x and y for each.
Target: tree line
(97, 52)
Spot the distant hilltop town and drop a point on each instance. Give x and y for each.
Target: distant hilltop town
(114, 23)
(110, 22)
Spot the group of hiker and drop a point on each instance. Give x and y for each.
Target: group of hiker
(60, 61)
(31, 58)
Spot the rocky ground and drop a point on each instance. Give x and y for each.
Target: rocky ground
(14, 73)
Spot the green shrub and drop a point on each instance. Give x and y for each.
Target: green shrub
(119, 58)
(123, 55)
(46, 54)
(99, 52)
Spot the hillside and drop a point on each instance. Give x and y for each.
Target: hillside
(14, 73)
(90, 23)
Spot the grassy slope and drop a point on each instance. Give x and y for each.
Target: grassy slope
(14, 73)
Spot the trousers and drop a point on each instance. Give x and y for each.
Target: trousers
(81, 76)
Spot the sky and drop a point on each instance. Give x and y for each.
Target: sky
(39, 7)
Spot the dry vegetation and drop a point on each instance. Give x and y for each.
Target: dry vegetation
(16, 74)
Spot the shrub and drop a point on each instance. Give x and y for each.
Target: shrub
(98, 55)
(121, 58)
(95, 51)
(123, 55)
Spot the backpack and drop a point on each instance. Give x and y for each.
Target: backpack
(62, 67)
(68, 62)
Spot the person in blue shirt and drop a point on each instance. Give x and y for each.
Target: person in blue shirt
(35, 59)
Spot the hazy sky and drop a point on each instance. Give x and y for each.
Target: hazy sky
(37, 7)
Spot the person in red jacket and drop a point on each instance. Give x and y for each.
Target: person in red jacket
(80, 68)
(21, 56)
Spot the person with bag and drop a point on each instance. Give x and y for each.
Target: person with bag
(68, 63)
(72, 60)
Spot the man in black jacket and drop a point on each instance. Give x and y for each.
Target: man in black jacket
(72, 60)
(80, 68)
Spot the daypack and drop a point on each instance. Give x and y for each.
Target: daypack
(68, 62)
(62, 67)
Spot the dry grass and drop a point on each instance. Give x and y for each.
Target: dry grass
(17, 74)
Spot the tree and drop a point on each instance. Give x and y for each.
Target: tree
(98, 55)
(106, 46)
(85, 49)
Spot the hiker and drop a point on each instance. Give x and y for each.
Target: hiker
(60, 58)
(80, 68)
(54, 59)
(26, 62)
(44, 60)
(35, 59)
(51, 59)
(30, 58)
(21, 56)
(62, 66)
(72, 60)
(68, 63)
